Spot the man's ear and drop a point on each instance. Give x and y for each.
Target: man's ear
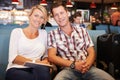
(68, 13)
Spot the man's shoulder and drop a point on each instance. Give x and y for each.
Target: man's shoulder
(79, 28)
(53, 31)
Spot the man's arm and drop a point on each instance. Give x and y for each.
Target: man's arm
(62, 62)
(52, 56)
(90, 59)
(91, 56)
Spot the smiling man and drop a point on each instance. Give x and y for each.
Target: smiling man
(71, 48)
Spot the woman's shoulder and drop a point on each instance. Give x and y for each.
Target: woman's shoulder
(42, 31)
(16, 30)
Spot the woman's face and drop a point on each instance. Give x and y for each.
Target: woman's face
(36, 19)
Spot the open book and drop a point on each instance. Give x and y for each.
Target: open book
(31, 64)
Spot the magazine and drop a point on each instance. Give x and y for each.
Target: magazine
(31, 64)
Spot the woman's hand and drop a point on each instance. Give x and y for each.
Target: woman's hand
(45, 61)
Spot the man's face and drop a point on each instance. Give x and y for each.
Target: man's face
(60, 16)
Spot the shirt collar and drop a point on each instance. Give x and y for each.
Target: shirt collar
(60, 30)
(74, 30)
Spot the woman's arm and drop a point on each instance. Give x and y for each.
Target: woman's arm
(21, 60)
(13, 45)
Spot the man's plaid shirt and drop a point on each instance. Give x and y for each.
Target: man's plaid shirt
(72, 47)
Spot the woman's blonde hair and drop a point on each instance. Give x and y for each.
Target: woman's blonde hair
(42, 9)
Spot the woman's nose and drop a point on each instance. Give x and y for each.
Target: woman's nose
(38, 19)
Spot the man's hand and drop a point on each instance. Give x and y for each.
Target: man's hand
(79, 65)
(85, 68)
(82, 66)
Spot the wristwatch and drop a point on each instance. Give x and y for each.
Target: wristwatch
(72, 66)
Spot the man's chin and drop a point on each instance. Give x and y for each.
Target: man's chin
(61, 24)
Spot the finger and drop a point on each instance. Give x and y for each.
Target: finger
(84, 70)
(86, 66)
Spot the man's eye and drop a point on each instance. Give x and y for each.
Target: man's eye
(55, 15)
(62, 12)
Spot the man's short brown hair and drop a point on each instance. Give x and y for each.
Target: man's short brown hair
(56, 4)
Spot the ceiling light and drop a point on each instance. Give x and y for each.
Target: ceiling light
(69, 4)
(92, 5)
(43, 2)
(15, 2)
(114, 6)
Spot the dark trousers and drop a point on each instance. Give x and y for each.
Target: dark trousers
(34, 73)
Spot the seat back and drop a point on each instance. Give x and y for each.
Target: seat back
(94, 34)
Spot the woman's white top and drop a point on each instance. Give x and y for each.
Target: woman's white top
(30, 48)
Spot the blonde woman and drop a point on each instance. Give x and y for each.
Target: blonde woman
(29, 44)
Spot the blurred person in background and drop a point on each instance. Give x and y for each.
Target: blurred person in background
(114, 17)
(118, 23)
(76, 20)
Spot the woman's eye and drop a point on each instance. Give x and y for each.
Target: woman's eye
(41, 17)
(36, 15)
